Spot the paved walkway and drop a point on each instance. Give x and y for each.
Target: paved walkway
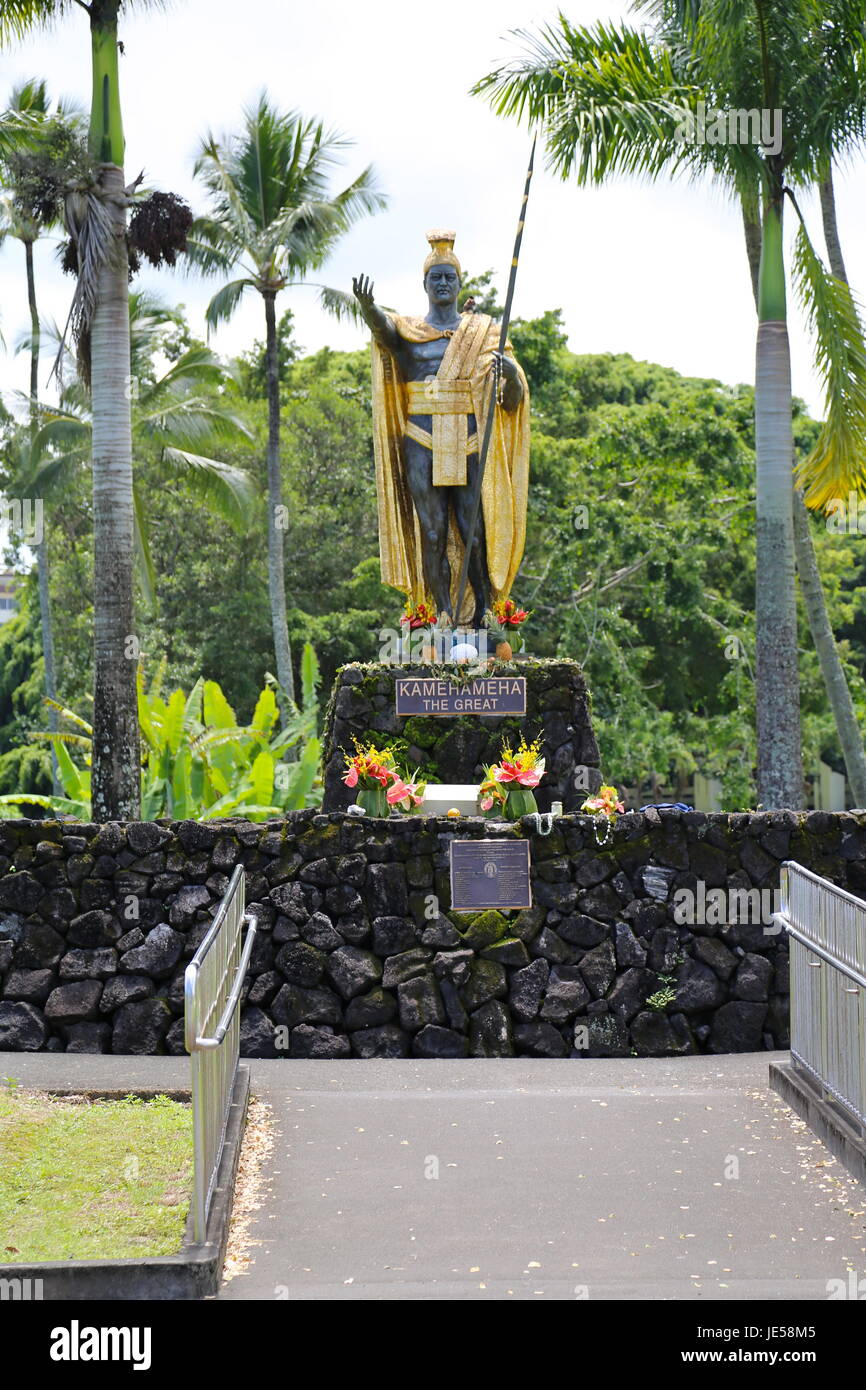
(666, 1179)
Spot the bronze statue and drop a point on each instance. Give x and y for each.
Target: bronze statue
(434, 379)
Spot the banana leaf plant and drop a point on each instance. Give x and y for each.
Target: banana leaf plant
(198, 762)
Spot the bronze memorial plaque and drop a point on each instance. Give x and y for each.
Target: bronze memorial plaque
(489, 874)
(485, 695)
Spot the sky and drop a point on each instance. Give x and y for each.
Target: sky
(658, 271)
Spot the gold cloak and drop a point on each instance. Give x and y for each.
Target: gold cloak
(506, 475)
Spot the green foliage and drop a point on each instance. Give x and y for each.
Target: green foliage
(252, 365)
(482, 289)
(834, 468)
(198, 761)
(23, 766)
(653, 590)
(660, 1000)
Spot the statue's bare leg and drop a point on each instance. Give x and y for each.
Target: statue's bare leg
(431, 504)
(478, 574)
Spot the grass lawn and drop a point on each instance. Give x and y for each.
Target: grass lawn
(85, 1180)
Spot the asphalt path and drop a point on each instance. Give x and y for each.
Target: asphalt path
(680, 1179)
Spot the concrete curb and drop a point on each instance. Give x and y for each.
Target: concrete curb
(194, 1273)
(825, 1118)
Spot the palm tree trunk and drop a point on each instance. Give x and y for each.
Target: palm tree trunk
(838, 693)
(812, 589)
(780, 774)
(116, 767)
(831, 230)
(41, 547)
(276, 512)
(752, 230)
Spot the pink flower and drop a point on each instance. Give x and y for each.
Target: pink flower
(398, 791)
(487, 803)
(351, 777)
(529, 778)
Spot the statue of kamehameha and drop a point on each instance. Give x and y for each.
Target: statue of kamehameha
(434, 379)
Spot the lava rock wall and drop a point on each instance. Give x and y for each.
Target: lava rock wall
(656, 943)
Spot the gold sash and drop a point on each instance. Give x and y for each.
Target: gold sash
(449, 403)
(504, 494)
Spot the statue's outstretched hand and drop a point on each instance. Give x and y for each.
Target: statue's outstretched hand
(362, 288)
(379, 323)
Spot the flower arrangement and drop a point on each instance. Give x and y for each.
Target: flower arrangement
(380, 785)
(606, 802)
(416, 615)
(508, 785)
(507, 614)
(606, 806)
(509, 619)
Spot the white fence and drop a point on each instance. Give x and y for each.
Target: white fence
(827, 931)
(212, 988)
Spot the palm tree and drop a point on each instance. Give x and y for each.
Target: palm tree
(178, 414)
(34, 174)
(824, 115)
(98, 214)
(273, 219)
(610, 101)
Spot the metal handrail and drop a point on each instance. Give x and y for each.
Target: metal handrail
(819, 951)
(213, 982)
(827, 929)
(826, 886)
(222, 1027)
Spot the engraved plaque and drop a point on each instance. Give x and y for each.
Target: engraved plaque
(490, 874)
(485, 695)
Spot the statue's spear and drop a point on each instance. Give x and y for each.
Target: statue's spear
(488, 424)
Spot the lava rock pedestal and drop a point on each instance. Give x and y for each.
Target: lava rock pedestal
(455, 749)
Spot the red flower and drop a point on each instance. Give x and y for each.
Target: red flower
(508, 614)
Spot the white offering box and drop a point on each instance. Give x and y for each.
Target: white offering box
(442, 797)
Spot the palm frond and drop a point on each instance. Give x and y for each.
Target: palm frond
(144, 565)
(213, 165)
(361, 198)
(62, 429)
(18, 130)
(190, 420)
(225, 301)
(837, 464)
(55, 472)
(343, 306)
(19, 17)
(608, 100)
(30, 95)
(199, 364)
(227, 490)
(210, 247)
(299, 238)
